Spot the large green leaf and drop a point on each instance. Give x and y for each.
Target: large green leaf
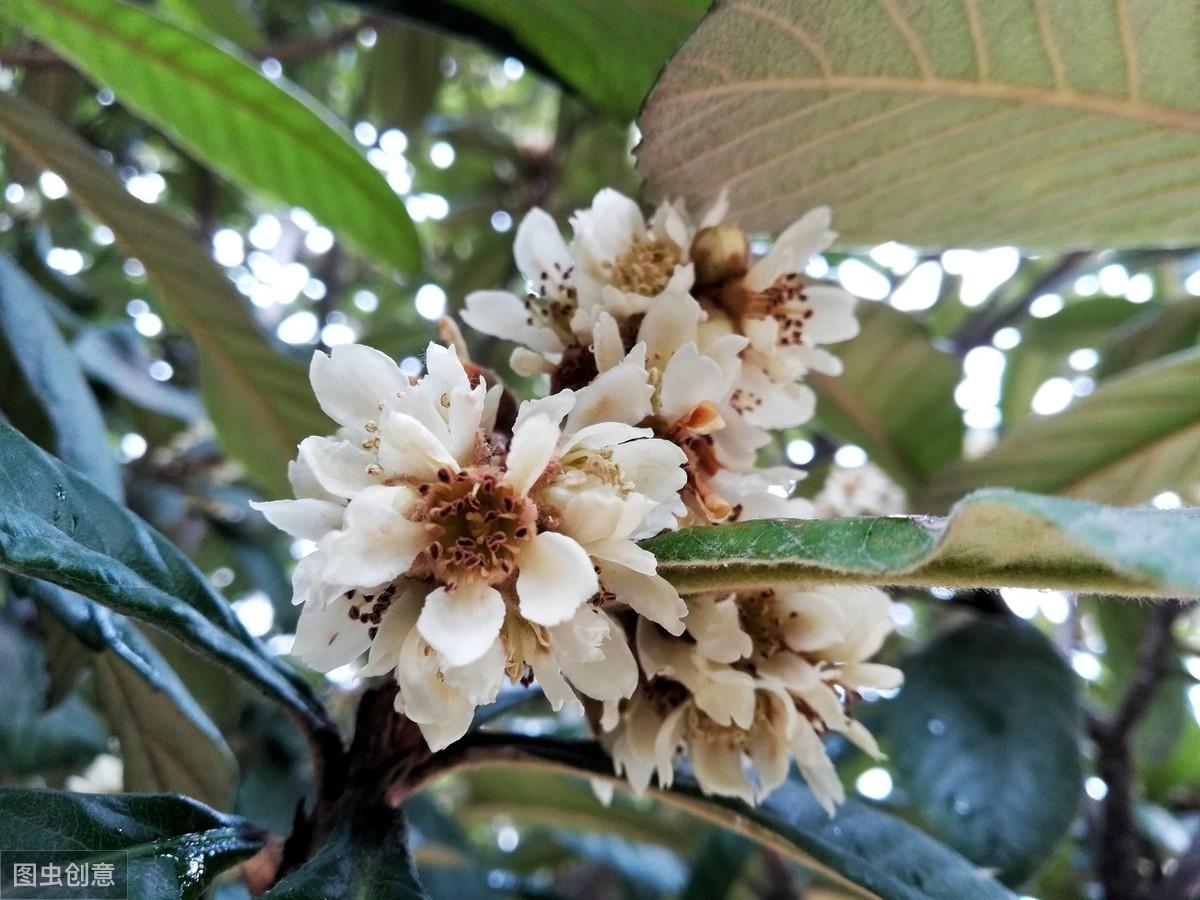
(610, 51)
(45, 394)
(993, 538)
(867, 850)
(986, 735)
(58, 527)
(175, 846)
(259, 400)
(895, 398)
(1156, 332)
(1133, 437)
(266, 135)
(939, 122)
(365, 857)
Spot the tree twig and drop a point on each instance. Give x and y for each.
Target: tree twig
(1119, 846)
(979, 328)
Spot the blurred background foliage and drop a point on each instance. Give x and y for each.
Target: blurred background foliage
(472, 113)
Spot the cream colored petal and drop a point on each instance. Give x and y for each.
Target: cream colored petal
(444, 369)
(609, 672)
(462, 624)
(341, 468)
(715, 623)
(792, 249)
(726, 696)
(605, 230)
(816, 767)
(465, 419)
(716, 213)
(555, 576)
(653, 466)
(607, 345)
(528, 363)
(377, 543)
(871, 675)
(625, 553)
(792, 671)
(866, 611)
(550, 678)
(304, 483)
(532, 448)
(540, 252)
(719, 769)
(604, 435)
(688, 381)
(650, 596)
(491, 407)
(666, 744)
(409, 448)
(326, 636)
(673, 320)
(554, 406)
(503, 315)
(308, 519)
(594, 515)
(622, 394)
(353, 381)
(479, 681)
(398, 621)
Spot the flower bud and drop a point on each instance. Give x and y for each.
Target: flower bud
(720, 253)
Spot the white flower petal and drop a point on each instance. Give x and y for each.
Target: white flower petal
(607, 345)
(550, 678)
(353, 382)
(719, 769)
(532, 448)
(622, 394)
(479, 681)
(304, 483)
(525, 362)
(673, 320)
(609, 673)
(650, 596)
(792, 249)
(445, 370)
(871, 675)
(625, 553)
(654, 467)
(717, 212)
(833, 315)
(462, 624)
(341, 468)
(305, 518)
(503, 315)
(716, 625)
(540, 252)
(394, 629)
(377, 543)
(555, 407)
(555, 577)
(605, 230)
(688, 381)
(326, 636)
(409, 448)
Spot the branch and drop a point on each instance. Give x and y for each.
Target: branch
(978, 329)
(1119, 845)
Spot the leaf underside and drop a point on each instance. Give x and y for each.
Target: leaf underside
(993, 538)
(951, 122)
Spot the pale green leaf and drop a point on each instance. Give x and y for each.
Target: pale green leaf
(265, 135)
(986, 735)
(939, 122)
(993, 538)
(1133, 437)
(259, 400)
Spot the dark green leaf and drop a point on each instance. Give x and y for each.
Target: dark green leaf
(45, 395)
(993, 538)
(895, 398)
(56, 526)
(1135, 436)
(938, 123)
(33, 739)
(263, 134)
(578, 41)
(717, 866)
(259, 400)
(175, 846)
(862, 847)
(365, 857)
(986, 735)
